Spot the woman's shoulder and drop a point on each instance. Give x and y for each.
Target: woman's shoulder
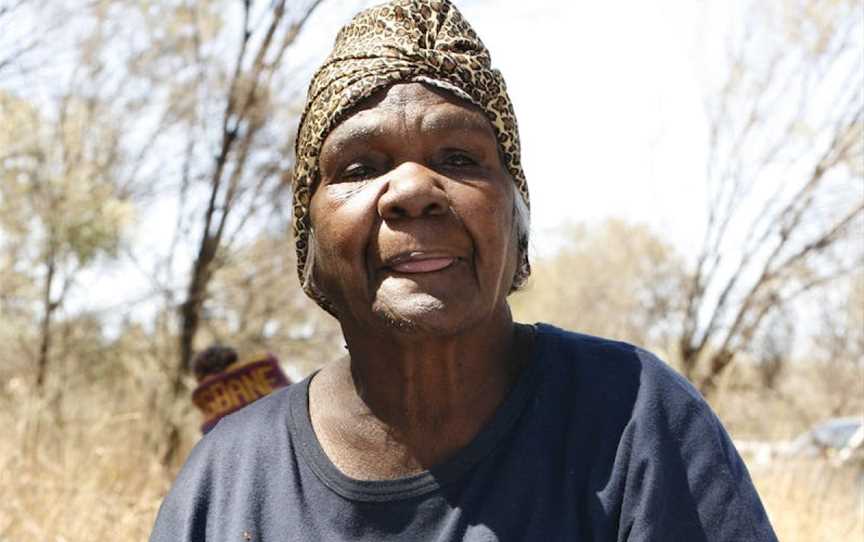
(259, 429)
(229, 472)
(257, 435)
(611, 369)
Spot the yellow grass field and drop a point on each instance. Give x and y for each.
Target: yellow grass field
(85, 467)
(813, 501)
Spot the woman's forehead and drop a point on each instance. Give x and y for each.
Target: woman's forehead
(410, 105)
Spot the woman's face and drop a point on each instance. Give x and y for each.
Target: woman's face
(413, 216)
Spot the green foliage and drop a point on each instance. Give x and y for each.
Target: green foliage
(57, 192)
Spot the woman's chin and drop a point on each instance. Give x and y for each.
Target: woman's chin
(421, 314)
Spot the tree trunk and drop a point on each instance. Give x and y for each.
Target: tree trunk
(48, 308)
(190, 310)
(238, 130)
(190, 319)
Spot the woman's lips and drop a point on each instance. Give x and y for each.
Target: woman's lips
(422, 264)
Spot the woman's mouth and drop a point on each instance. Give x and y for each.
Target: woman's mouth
(421, 263)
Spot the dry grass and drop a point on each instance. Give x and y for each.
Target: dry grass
(84, 466)
(813, 501)
(808, 501)
(802, 396)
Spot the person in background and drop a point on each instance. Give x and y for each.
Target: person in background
(226, 385)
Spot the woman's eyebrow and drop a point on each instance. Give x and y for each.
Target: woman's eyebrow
(350, 133)
(475, 123)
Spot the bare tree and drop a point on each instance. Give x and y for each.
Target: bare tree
(784, 176)
(242, 119)
(61, 210)
(234, 174)
(12, 51)
(613, 279)
(838, 347)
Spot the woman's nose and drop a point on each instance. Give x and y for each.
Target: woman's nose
(413, 191)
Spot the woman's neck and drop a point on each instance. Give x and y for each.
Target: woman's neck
(413, 402)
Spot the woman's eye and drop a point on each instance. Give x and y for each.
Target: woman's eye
(357, 171)
(459, 159)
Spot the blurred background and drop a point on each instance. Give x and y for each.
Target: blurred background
(697, 178)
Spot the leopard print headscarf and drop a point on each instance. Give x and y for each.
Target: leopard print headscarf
(402, 41)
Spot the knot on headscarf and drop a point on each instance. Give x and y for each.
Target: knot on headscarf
(426, 41)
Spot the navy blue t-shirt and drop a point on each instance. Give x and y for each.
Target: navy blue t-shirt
(597, 441)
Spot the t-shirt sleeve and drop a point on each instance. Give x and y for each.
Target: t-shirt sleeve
(182, 516)
(222, 489)
(683, 478)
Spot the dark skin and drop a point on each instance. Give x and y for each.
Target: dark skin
(416, 248)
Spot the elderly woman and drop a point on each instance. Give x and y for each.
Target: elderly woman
(446, 420)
